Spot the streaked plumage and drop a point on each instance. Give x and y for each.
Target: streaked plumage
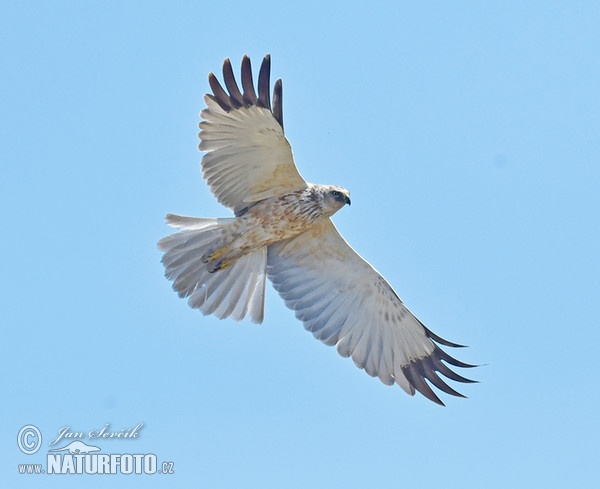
(282, 229)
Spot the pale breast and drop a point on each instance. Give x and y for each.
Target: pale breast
(278, 218)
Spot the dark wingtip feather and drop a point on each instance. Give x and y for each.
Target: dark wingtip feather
(236, 99)
(278, 102)
(247, 82)
(445, 370)
(421, 370)
(235, 96)
(411, 373)
(220, 96)
(427, 370)
(264, 82)
(439, 339)
(453, 361)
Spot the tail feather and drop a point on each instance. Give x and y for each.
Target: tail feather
(235, 291)
(191, 223)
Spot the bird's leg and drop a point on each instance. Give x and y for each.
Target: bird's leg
(214, 254)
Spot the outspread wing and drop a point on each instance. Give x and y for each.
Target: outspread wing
(344, 301)
(248, 158)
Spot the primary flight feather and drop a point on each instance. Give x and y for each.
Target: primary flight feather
(282, 230)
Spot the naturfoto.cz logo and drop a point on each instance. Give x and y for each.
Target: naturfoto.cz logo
(74, 456)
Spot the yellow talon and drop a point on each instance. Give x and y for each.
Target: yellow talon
(217, 254)
(225, 264)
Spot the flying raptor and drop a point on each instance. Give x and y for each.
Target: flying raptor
(282, 230)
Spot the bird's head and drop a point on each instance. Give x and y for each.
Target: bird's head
(335, 197)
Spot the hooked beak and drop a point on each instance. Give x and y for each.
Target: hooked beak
(347, 200)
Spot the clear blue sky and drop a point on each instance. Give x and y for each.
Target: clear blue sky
(469, 137)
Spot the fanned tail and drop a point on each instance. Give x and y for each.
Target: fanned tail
(235, 291)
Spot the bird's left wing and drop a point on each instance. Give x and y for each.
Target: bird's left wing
(344, 301)
(248, 158)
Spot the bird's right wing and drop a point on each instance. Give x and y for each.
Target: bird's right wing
(248, 158)
(344, 301)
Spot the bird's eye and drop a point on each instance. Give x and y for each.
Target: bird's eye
(336, 193)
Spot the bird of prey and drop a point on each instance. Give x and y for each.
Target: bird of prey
(282, 230)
